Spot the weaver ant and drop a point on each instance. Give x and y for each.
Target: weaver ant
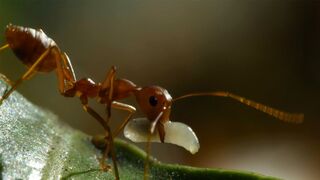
(41, 54)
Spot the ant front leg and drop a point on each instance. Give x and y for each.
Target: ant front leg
(108, 138)
(125, 107)
(27, 75)
(121, 106)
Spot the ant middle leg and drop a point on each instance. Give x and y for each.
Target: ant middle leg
(67, 81)
(125, 107)
(108, 138)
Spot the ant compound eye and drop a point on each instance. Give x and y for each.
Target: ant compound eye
(153, 101)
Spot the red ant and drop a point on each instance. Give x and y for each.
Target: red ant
(41, 54)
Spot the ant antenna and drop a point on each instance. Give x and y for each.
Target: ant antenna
(282, 115)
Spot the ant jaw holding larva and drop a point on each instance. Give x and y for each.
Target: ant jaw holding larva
(155, 102)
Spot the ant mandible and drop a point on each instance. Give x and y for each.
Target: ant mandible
(41, 54)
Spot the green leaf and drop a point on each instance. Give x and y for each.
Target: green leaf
(34, 144)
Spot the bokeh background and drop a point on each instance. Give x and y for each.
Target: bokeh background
(268, 51)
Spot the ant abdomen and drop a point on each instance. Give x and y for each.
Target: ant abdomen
(29, 44)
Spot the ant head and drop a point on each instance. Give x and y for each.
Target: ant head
(155, 102)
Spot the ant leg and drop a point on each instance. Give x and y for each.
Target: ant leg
(146, 162)
(131, 111)
(25, 76)
(109, 138)
(6, 80)
(106, 82)
(125, 107)
(3, 77)
(65, 73)
(68, 70)
(106, 85)
(4, 47)
(96, 116)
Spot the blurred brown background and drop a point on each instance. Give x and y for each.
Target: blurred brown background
(268, 51)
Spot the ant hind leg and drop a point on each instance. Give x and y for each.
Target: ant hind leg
(4, 47)
(8, 83)
(3, 77)
(27, 75)
(6, 80)
(65, 74)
